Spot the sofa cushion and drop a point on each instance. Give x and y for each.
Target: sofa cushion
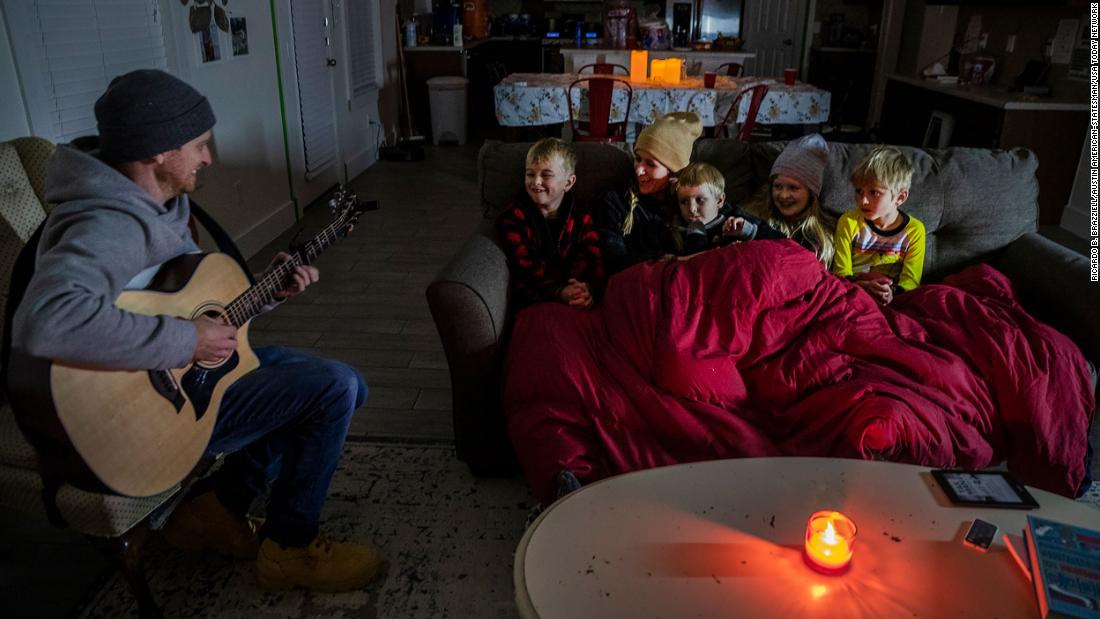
(500, 165)
(991, 198)
(734, 160)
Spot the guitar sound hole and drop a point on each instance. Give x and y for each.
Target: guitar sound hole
(216, 314)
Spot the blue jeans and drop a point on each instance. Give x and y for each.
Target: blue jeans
(284, 425)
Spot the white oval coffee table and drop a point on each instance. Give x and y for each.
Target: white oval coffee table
(724, 539)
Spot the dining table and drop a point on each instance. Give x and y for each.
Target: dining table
(529, 99)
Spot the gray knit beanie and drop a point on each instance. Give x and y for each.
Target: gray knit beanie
(148, 112)
(804, 160)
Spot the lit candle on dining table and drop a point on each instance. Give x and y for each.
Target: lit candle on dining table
(830, 541)
(666, 70)
(639, 65)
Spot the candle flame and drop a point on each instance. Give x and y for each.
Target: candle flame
(829, 534)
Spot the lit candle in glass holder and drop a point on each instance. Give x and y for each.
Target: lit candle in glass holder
(639, 65)
(830, 540)
(666, 70)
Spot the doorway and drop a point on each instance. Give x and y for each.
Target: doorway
(313, 70)
(773, 30)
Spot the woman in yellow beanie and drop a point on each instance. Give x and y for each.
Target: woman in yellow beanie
(635, 227)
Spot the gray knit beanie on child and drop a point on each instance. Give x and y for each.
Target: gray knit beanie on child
(148, 112)
(804, 160)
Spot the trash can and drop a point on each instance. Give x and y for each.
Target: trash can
(447, 97)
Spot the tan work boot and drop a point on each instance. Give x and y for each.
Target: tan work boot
(204, 523)
(322, 566)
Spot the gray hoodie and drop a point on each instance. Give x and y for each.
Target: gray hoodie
(104, 232)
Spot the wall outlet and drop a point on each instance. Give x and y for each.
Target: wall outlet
(1010, 43)
(983, 40)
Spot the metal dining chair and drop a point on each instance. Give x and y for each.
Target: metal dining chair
(757, 94)
(604, 68)
(599, 127)
(733, 69)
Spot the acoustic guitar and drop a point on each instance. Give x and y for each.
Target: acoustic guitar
(138, 433)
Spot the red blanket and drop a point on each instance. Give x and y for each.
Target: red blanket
(756, 350)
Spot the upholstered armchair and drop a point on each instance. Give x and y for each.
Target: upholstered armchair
(122, 523)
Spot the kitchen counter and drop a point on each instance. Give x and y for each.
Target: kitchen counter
(471, 44)
(997, 97)
(991, 117)
(576, 58)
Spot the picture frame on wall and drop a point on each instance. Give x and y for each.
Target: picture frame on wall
(238, 32)
(209, 42)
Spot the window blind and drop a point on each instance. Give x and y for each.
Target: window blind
(362, 38)
(68, 51)
(315, 98)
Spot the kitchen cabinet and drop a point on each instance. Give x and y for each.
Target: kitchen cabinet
(989, 117)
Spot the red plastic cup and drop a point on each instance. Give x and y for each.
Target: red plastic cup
(708, 79)
(789, 75)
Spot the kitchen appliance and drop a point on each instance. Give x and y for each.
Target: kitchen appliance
(681, 24)
(709, 18)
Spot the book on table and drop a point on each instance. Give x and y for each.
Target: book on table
(1065, 568)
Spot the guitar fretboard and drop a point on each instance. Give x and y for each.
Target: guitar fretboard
(262, 294)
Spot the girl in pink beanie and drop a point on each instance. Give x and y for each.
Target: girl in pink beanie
(790, 202)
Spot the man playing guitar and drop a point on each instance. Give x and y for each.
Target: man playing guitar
(121, 213)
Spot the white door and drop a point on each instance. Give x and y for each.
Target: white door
(314, 68)
(357, 40)
(773, 30)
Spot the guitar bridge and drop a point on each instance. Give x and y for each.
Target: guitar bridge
(165, 385)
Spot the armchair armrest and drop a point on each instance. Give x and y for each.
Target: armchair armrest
(469, 303)
(1053, 284)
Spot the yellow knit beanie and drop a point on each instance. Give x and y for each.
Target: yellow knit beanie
(669, 139)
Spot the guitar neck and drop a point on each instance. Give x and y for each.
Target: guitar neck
(252, 301)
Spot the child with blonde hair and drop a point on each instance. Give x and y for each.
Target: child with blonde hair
(706, 220)
(791, 201)
(550, 240)
(879, 246)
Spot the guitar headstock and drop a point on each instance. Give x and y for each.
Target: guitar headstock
(346, 210)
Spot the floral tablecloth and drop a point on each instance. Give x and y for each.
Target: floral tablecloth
(524, 99)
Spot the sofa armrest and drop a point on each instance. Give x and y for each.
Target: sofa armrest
(469, 303)
(1053, 284)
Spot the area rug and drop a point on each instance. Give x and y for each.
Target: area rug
(449, 538)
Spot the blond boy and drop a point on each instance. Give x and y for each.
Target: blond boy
(706, 219)
(549, 239)
(879, 246)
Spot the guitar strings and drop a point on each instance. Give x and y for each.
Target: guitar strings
(248, 304)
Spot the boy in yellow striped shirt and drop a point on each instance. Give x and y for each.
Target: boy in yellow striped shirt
(879, 246)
